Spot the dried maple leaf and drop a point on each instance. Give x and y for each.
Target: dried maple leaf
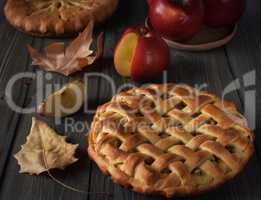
(44, 150)
(68, 60)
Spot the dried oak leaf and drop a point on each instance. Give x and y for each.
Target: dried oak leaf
(44, 150)
(69, 60)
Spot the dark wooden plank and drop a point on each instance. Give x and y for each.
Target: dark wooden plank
(13, 61)
(1, 12)
(244, 56)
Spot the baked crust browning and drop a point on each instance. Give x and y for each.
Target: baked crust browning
(171, 140)
(57, 17)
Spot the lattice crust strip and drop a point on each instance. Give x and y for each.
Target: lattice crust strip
(170, 140)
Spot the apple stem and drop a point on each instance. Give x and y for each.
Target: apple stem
(144, 30)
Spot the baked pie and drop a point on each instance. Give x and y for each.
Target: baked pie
(57, 17)
(169, 139)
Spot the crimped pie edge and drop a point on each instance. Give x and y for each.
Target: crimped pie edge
(61, 31)
(110, 170)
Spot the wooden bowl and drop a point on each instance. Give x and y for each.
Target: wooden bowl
(207, 39)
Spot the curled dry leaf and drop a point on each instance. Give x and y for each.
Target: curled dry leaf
(45, 150)
(68, 60)
(65, 101)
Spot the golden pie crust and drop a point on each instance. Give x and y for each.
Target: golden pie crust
(57, 17)
(171, 140)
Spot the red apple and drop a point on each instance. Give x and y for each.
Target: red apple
(141, 55)
(177, 20)
(220, 13)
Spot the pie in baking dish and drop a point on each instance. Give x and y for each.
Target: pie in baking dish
(171, 140)
(57, 17)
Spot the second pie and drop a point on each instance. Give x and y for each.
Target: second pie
(57, 17)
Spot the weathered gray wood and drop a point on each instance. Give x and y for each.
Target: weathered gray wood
(13, 61)
(216, 68)
(244, 56)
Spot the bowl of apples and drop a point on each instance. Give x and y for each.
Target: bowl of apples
(195, 25)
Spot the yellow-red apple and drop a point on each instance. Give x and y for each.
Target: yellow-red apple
(141, 55)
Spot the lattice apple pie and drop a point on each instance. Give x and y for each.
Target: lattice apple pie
(56, 17)
(170, 139)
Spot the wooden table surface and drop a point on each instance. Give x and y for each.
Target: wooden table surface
(217, 68)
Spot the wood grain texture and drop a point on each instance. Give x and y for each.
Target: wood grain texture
(216, 68)
(247, 58)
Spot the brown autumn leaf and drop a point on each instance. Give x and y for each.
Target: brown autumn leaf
(44, 150)
(71, 59)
